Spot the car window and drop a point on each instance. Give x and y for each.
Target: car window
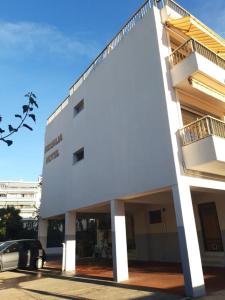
(3, 245)
(13, 248)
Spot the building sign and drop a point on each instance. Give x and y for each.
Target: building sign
(52, 156)
(51, 145)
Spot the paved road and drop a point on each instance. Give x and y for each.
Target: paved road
(26, 286)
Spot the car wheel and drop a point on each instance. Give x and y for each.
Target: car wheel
(39, 263)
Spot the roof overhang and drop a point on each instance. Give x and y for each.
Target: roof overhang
(195, 29)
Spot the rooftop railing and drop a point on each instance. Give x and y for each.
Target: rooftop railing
(132, 22)
(58, 110)
(176, 7)
(139, 15)
(191, 46)
(201, 129)
(114, 43)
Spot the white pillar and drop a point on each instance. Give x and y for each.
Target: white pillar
(70, 242)
(188, 240)
(119, 241)
(42, 232)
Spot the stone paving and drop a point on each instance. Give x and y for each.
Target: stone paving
(35, 286)
(164, 277)
(28, 285)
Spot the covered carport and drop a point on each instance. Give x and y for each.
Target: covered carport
(152, 245)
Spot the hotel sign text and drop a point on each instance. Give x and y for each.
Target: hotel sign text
(51, 145)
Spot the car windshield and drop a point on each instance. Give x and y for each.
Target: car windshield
(4, 245)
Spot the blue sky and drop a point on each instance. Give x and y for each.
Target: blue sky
(44, 47)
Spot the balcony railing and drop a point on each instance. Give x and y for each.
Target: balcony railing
(191, 46)
(202, 128)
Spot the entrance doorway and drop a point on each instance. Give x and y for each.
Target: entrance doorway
(210, 227)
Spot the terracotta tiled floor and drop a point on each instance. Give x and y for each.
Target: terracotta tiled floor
(166, 277)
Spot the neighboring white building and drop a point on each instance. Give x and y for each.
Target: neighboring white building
(23, 195)
(141, 136)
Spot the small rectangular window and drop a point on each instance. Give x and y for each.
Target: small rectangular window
(78, 108)
(78, 155)
(155, 216)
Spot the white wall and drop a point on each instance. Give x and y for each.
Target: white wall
(193, 63)
(156, 242)
(159, 242)
(206, 155)
(54, 251)
(123, 128)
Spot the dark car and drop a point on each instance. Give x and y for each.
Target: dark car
(21, 254)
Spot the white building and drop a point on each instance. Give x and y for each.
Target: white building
(23, 195)
(142, 135)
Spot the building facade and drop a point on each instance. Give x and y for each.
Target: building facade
(22, 195)
(141, 137)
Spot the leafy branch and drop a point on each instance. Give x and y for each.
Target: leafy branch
(28, 110)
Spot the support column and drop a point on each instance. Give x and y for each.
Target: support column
(70, 242)
(42, 232)
(119, 241)
(188, 240)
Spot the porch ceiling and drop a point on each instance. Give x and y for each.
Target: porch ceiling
(196, 99)
(145, 194)
(97, 208)
(160, 198)
(207, 190)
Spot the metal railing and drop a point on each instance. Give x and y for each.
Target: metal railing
(190, 46)
(58, 110)
(201, 129)
(176, 7)
(139, 15)
(114, 42)
(110, 47)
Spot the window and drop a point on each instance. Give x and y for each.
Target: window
(26, 195)
(78, 108)
(155, 216)
(190, 116)
(13, 248)
(3, 195)
(4, 245)
(78, 155)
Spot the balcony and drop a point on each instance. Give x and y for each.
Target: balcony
(198, 70)
(203, 145)
(193, 46)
